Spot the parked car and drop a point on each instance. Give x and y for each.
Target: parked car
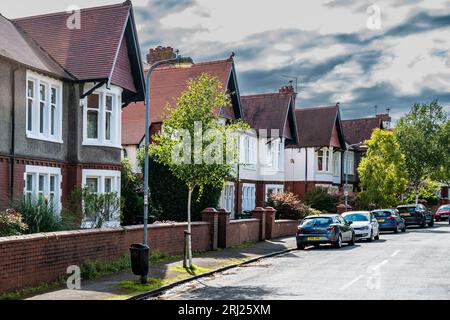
(443, 212)
(325, 229)
(416, 215)
(390, 220)
(364, 223)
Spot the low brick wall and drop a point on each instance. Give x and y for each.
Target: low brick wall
(284, 228)
(29, 260)
(243, 230)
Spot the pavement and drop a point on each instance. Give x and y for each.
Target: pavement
(411, 265)
(124, 285)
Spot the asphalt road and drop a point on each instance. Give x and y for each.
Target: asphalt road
(411, 265)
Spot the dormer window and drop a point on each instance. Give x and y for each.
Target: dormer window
(43, 108)
(102, 117)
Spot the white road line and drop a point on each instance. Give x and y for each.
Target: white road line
(395, 253)
(351, 282)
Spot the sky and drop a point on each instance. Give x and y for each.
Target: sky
(362, 54)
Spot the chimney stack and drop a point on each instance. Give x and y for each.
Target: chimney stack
(286, 89)
(159, 53)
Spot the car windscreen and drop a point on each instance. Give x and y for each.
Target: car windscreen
(406, 209)
(444, 208)
(382, 214)
(356, 217)
(317, 222)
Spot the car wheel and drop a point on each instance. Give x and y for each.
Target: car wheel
(338, 243)
(371, 237)
(377, 237)
(396, 229)
(404, 228)
(423, 224)
(352, 242)
(300, 246)
(431, 224)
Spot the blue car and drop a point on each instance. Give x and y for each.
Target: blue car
(389, 220)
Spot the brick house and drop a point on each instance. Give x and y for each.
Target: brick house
(263, 153)
(62, 92)
(356, 131)
(316, 160)
(167, 83)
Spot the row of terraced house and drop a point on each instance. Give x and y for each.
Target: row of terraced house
(71, 107)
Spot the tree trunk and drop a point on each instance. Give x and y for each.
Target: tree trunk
(188, 259)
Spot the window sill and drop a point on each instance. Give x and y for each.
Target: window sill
(101, 144)
(44, 138)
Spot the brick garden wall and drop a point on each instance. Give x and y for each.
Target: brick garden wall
(29, 260)
(284, 227)
(245, 230)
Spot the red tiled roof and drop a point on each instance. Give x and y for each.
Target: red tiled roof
(88, 53)
(268, 111)
(133, 123)
(315, 126)
(15, 45)
(359, 130)
(166, 86)
(168, 83)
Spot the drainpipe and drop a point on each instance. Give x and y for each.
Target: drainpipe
(12, 150)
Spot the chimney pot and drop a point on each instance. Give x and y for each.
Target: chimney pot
(159, 53)
(286, 89)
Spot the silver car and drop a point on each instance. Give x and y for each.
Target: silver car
(364, 223)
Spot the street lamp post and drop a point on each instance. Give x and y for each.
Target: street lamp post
(177, 59)
(346, 171)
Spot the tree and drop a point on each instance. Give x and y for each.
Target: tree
(418, 134)
(196, 147)
(443, 174)
(382, 171)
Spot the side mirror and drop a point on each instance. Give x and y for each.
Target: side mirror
(349, 222)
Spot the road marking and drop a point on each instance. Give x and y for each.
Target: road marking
(395, 253)
(351, 282)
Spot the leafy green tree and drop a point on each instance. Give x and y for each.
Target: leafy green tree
(418, 134)
(382, 172)
(443, 174)
(194, 144)
(319, 199)
(427, 193)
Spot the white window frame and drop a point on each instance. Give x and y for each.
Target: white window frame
(101, 175)
(116, 117)
(227, 197)
(327, 160)
(336, 164)
(35, 132)
(248, 196)
(249, 147)
(46, 173)
(277, 187)
(349, 163)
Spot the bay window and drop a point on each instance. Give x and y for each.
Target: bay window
(248, 197)
(323, 160)
(103, 181)
(43, 183)
(227, 198)
(102, 117)
(43, 108)
(273, 188)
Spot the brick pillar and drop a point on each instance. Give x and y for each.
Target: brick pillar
(260, 213)
(212, 216)
(270, 221)
(223, 229)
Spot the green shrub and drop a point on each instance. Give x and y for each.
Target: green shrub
(11, 223)
(169, 195)
(39, 215)
(289, 206)
(319, 199)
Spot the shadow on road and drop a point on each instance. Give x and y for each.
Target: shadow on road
(230, 293)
